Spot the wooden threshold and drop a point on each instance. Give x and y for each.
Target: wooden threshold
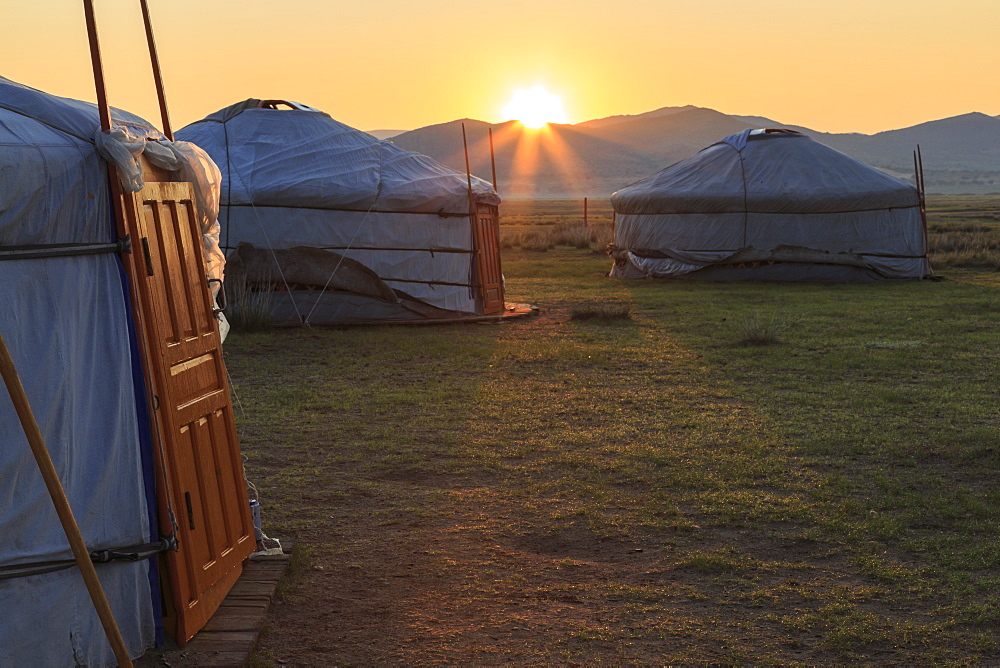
(231, 634)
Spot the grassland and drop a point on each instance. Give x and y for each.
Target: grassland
(963, 231)
(646, 472)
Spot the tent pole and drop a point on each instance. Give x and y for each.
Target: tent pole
(476, 236)
(920, 160)
(468, 172)
(468, 176)
(104, 111)
(35, 438)
(61, 503)
(157, 76)
(918, 166)
(95, 59)
(493, 161)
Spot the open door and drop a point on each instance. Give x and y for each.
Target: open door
(203, 482)
(200, 483)
(487, 238)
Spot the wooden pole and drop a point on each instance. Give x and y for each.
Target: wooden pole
(493, 161)
(923, 199)
(468, 176)
(95, 60)
(35, 437)
(104, 111)
(584, 210)
(61, 502)
(476, 236)
(923, 186)
(157, 77)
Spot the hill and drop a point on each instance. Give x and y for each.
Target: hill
(597, 157)
(385, 134)
(961, 154)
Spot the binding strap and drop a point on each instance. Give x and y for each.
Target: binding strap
(123, 245)
(127, 553)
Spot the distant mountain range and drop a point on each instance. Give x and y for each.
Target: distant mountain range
(385, 134)
(597, 157)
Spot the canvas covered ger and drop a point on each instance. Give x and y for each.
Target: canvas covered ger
(295, 177)
(66, 322)
(769, 205)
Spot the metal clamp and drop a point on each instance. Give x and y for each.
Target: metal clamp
(221, 299)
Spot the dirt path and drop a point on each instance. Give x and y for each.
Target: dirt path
(479, 588)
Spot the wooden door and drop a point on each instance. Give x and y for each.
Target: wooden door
(487, 239)
(204, 471)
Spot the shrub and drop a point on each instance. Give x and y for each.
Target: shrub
(249, 310)
(753, 329)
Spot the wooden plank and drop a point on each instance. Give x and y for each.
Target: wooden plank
(219, 636)
(242, 588)
(248, 598)
(237, 602)
(220, 647)
(230, 635)
(240, 619)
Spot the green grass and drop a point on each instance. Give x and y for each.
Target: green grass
(657, 489)
(964, 231)
(604, 312)
(541, 225)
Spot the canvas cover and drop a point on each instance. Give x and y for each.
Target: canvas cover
(776, 196)
(66, 322)
(296, 177)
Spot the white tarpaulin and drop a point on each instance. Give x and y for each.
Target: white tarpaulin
(761, 192)
(66, 322)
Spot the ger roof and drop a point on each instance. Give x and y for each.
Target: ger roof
(302, 157)
(765, 171)
(53, 185)
(73, 117)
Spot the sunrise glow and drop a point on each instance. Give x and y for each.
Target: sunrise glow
(535, 108)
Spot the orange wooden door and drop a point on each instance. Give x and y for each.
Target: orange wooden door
(487, 237)
(194, 413)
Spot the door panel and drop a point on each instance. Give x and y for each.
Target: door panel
(487, 236)
(204, 470)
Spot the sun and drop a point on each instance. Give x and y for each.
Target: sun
(535, 108)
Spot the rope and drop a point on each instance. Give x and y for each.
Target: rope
(260, 224)
(333, 273)
(240, 433)
(378, 194)
(746, 208)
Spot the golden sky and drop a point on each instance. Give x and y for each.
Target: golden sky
(836, 66)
